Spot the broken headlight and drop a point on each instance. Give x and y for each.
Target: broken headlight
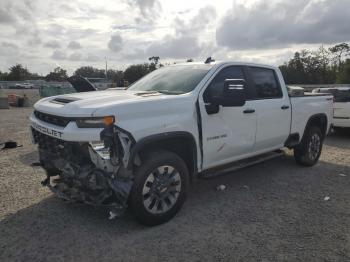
(95, 122)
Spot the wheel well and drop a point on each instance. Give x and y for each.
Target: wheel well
(319, 120)
(183, 145)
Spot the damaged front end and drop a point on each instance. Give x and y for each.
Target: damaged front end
(94, 173)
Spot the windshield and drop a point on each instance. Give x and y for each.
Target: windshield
(172, 80)
(340, 95)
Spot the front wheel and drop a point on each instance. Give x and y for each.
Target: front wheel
(159, 189)
(309, 150)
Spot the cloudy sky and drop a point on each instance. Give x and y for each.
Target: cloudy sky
(44, 34)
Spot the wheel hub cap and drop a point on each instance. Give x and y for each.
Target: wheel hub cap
(314, 146)
(161, 189)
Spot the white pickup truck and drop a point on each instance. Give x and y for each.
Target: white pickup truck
(341, 114)
(142, 146)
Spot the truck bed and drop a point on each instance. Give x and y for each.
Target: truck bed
(303, 107)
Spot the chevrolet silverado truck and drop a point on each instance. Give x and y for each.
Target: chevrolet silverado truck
(142, 147)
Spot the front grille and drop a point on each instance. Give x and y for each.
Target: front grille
(48, 143)
(55, 120)
(73, 151)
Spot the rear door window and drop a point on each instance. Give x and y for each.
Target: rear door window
(266, 83)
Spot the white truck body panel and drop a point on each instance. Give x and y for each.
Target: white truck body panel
(240, 135)
(273, 123)
(314, 105)
(341, 113)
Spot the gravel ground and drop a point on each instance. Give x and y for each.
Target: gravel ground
(274, 211)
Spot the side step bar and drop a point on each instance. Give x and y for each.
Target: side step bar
(237, 165)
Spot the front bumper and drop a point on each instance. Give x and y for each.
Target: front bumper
(78, 173)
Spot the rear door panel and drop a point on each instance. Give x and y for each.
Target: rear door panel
(273, 109)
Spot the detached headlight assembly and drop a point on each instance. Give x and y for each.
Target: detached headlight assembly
(95, 122)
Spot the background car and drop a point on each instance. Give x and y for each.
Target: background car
(341, 112)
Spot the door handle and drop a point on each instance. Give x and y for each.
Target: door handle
(249, 111)
(284, 107)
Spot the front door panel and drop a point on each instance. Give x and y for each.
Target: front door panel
(229, 133)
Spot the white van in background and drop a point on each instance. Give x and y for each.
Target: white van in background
(341, 117)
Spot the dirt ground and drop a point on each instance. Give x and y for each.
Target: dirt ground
(274, 211)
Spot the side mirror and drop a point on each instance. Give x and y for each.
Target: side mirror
(232, 95)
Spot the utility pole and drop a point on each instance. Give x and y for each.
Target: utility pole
(106, 68)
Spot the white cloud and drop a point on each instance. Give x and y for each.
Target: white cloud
(6, 17)
(54, 44)
(76, 32)
(271, 24)
(74, 45)
(9, 45)
(92, 58)
(58, 55)
(115, 43)
(185, 43)
(75, 57)
(149, 10)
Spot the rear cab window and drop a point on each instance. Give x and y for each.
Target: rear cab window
(266, 83)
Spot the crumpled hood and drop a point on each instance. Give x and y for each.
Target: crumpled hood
(86, 103)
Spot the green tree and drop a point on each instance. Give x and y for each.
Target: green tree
(115, 75)
(4, 76)
(135, 72)
(89, 71)
(294, 70)
(154, 59)
(18, 73)
(338, 52)
(58, 74)
(309, 67)
(322, 66)
(154, 63)
(343, 76)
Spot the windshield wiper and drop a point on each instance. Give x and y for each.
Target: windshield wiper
(169, 92)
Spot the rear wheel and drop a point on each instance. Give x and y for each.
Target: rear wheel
(160, 188)
(309, 150)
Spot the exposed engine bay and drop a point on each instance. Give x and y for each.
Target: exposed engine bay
(94, 173)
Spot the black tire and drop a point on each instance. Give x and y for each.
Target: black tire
(149, 169)
(309, 150)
